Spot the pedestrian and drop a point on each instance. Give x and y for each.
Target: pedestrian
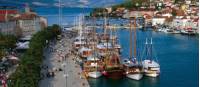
(53, 74)
(47, 67)
(44, 57)
(60, 69)
(54, 69)
(42, 76)
(47, 74)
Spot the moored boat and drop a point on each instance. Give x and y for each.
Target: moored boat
(187, 32)
(85, 52)
(94, 74)
(113, 68)
(133, 70)
(151, 68)
(77, 44)
(93, 66)
(133, 67)
(102, 48)
(150, 64)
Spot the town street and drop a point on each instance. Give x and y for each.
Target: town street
(60, 61)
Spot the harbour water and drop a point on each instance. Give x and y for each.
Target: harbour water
(178, 58)
(178, 55)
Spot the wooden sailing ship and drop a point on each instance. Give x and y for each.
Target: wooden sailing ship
(93, 66)
(133, 68)
(113, 67)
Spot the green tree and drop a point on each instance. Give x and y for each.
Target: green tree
(2, 53)
(56, 29)
(28, 71)
(7, 41)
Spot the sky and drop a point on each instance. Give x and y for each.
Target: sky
(65, 3)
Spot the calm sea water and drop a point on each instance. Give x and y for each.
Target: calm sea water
(68, 14)
(178, 55)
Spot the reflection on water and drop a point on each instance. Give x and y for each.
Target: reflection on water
(106, 82)
(133, 83)
(152, 82)
(145, 82)
(124, 82)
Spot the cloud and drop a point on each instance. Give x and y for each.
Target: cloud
(84, 1)
(72, 3)
(105, 3)
(58, 4)
(82, 6)
(66, 3)
(39, 4)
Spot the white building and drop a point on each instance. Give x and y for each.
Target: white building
(158, 20)
(167, 15)
(7, 22)
(184, 23)
(7, 26)
(26, 24)
(188, 2)
(43, 22)
(29, 24)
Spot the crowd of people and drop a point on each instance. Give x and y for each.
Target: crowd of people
(61, 55)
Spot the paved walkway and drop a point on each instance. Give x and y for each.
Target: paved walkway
(70, 76)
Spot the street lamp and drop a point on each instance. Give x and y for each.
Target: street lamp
(65, 76)
(137, 5)
(65, 73)
(63, 65)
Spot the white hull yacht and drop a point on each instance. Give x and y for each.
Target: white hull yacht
(150, 65)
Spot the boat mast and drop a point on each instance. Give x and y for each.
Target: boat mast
(135, 39)
(94, 31)
(108, 53)
(130, 43)
(104, 36)
(113, 45)
(60, 13)
(151, 50)
(80, 29)
(94, 48)
(105, 19)
(146, 47)
(105, 23)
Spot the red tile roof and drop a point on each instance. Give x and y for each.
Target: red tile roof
(164, 11)
(180, 13)
(27, 16)
(3, 18)
(196, 20)
(147, 16)
(143, 9)
(8, 11)
(167, 0)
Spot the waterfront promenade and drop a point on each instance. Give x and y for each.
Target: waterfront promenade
(60, 61)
